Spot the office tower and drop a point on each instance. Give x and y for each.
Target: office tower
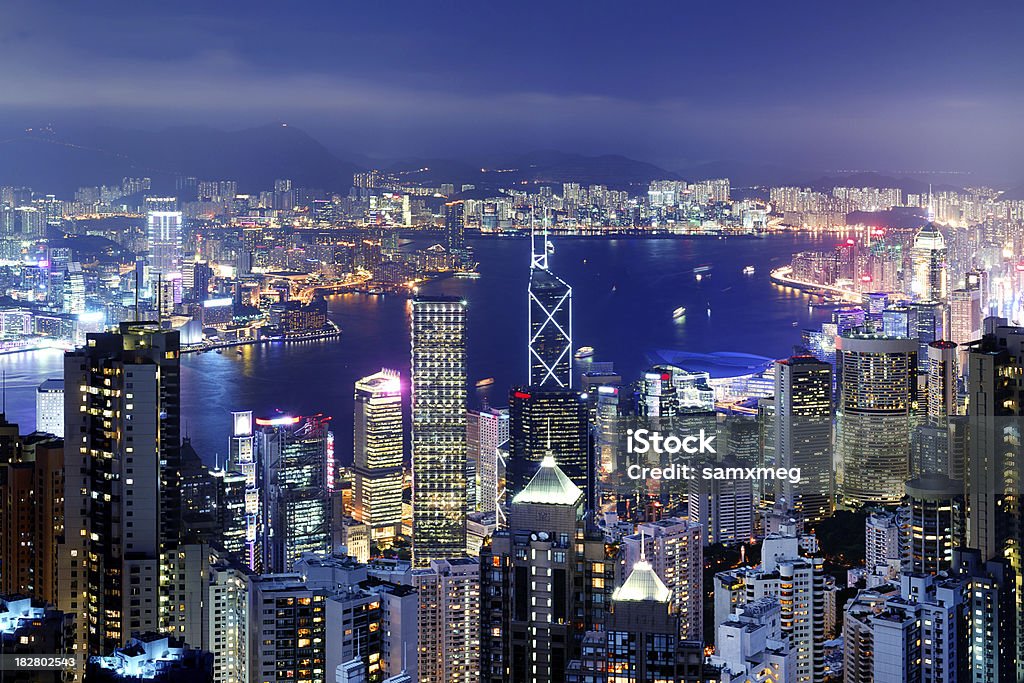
(286, 630)
(543, 421)
(165, 241)
(73, 289)
(641, 641)
(449, 628)
(928, 259)
(992, 619)
(965, 315)
(550, 321)
(50, 407)
(750, 646)
(455, 226)
(379, 442)
(30, 627)
(487, 433)
(724, 507)
(876, 379)
(230, 489)
(546, 582)
(200, 517)
(32, 518)
(226, 613)
(122, 499)
(242, 458)
(942, 381)
(293, 456)
(438, 428)
(938, 523)
(674, 549)
(803, 434)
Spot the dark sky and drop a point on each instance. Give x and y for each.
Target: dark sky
(827, 84)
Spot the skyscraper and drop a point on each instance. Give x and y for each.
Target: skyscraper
(877, 391)
(546, 581)
(379, 442)
(487, 436)
(674, 549)
(438, 428)
(928, 260)
(242, 458)
(293, 458)
(548, 420)
(449, 620)
(122, 432)
(455, 226)
(803, 434)
(550, 321)
(50, 407)
(937, 523)
(164, 237)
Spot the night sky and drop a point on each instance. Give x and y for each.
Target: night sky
(828, 85)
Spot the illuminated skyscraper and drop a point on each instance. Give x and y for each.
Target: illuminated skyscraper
(455, 225)
(937, 523)
(122, 498)
(550, 314)
(543, 421)
(487, 433)
(50, 407)
(293, 457)
(164, 236)
(242, 458)
(928, 261)
(877, 391)
(438, 428)
(803, 434)
(377, 456)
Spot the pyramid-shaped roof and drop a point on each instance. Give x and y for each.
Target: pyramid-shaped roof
(549, 486)
(642, 584)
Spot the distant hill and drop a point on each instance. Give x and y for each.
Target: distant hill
(1014, 193)
(613, 170)
(63, 161)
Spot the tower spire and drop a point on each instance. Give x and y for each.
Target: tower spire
(931, 205)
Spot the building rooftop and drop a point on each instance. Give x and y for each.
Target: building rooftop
(549, 486)
(642, 584)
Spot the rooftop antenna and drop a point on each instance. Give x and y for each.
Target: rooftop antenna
(931, 206)
(643, 546)
(549, 435)
(159, 299)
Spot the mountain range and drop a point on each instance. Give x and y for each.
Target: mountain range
(61, 161)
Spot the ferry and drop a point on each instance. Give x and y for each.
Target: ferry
(584, 352)
(679, 312)
(702, 269)
(485, 382)
(748, 270)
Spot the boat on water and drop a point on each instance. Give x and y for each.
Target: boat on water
(702, 269)
(748, 270)
(584, 352)
(485, 382)
(679, 312)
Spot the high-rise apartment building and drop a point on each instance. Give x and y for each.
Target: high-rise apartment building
(438, 428)
(122, 508)
(242, 458)
(487, 435)
(379, 442)
(449, 620)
